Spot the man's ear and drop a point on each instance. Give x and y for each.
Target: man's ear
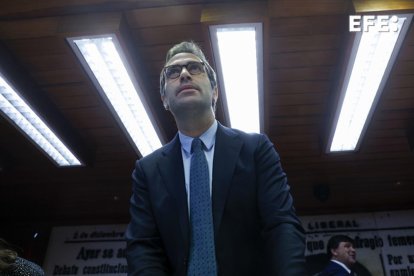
(215, 94)
(214, 99)
(164, 102)
(333, 252)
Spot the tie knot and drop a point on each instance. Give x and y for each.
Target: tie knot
(196, 145)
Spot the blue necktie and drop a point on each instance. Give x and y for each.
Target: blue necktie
(202, 259)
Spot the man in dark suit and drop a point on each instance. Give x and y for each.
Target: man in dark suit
(254, 228)
(341, 251)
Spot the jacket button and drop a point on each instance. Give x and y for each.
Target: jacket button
(185, 262)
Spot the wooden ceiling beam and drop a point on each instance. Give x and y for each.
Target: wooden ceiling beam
(296, 8)
(46, 8)
(61, 26)
(367, 6)
(240, 13)
(29, 28)
(90, 24)
(164, 16)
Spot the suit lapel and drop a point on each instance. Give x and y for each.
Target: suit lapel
(172, 172)
(226, 153)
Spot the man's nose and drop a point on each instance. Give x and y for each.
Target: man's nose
(185, 74)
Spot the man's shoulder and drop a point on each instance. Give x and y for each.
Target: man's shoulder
(240, 133)
(333, 269)
(158, 153)
(250, 141)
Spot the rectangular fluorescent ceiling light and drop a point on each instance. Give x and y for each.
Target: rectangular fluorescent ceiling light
(107, 66)
(16, 110)
(238, 55)
(372, 57)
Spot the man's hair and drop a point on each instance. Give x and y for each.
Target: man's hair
(334, 242)
(192, 48)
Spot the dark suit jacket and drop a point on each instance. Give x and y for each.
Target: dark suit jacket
(334, 269)
(255, 227)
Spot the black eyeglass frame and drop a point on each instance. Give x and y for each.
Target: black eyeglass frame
(181, 66)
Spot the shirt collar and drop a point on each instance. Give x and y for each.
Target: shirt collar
(208, 138)
(341, 264)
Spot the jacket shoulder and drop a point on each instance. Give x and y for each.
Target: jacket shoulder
(242, 134)
(158, 153)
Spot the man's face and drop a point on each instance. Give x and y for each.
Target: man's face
(188, 91)
(345, 253)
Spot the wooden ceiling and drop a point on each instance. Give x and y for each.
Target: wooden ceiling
(306, 47)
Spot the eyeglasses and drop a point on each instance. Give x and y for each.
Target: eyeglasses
(193, 67)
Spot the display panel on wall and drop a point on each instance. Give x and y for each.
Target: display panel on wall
(384, 244)
(83, 250)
